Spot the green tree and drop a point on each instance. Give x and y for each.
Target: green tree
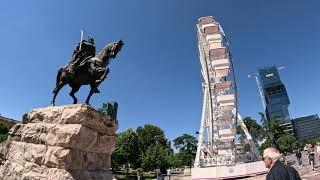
(287, 143)
(156, 156)
(150, 135)
(147, 148)
(183, 158)
(254, 129)
(186, 143)
(3, 133)
(276, 131)
(173, 160)
(126, 150)
(187, 146)
(277, 137)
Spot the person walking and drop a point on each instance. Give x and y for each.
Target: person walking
(311, 154)
(277, 170)
(283, 159)
(305, 147)
(159, 176)
(298, 156)
(318, 149)
(169, 173)
(139, 175)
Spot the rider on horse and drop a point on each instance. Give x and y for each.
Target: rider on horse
(87, 68)
(83, 51)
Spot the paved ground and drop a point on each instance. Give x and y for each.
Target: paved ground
(306, 172)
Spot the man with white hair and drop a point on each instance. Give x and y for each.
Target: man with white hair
(277, 170)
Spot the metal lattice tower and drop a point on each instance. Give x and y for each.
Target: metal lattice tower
(220, 117)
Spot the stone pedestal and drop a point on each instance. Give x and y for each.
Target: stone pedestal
(73, 142)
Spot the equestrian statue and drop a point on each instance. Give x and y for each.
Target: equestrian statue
(86, 68)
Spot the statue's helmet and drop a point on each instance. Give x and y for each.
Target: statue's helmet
(90, 40)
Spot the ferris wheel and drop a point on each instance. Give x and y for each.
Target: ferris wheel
(220, 117)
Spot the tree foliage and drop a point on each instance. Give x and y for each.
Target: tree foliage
(150, 135)
(275, 131)
(272, 133)
(187, 146)
(186, 143)
(287, 143)
(3, 129)
(147, 147)
(3, 133)
(183, 158)
(276, 136)
(126, 150)
(155, 157)
(253, 127)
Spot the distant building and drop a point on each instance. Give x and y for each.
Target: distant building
(7, 122)
(288, 127)
(307, 127)
(274, 95)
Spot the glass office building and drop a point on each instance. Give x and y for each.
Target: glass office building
(307, 127)
(274, 95)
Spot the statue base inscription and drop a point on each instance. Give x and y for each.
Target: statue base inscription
(57, 143)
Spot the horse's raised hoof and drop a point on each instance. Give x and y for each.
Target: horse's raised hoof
(52, 103)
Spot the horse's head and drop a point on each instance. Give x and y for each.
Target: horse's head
(116, 48)
(110, 50)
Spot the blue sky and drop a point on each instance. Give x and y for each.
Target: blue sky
(156, 76)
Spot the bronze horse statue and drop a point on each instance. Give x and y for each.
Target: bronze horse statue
(91, 71)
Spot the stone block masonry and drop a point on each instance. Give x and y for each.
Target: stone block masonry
(71, 142)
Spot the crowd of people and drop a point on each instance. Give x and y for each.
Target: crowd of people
(161, 177)
(278, 166)
(278, 170)
(311, 152)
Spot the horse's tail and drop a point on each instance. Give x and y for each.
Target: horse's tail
(58, 78)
